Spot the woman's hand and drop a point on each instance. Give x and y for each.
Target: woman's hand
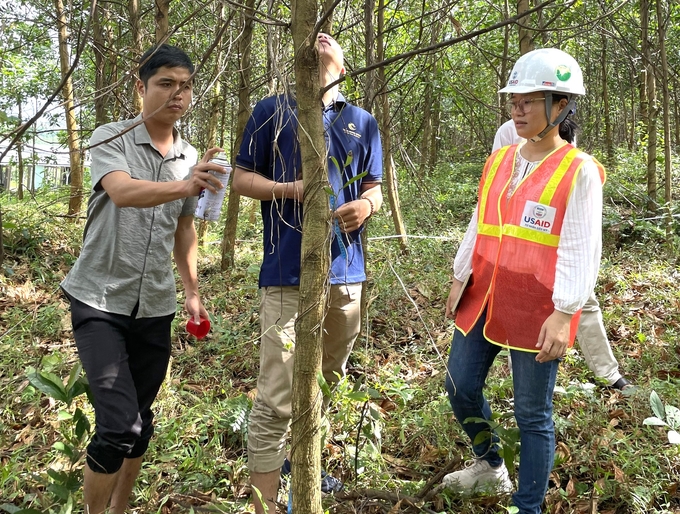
(554, 337)
(453, 296)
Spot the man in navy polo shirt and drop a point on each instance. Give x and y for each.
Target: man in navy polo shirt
(267, 169)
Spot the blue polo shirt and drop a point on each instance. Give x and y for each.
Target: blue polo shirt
(270, 147)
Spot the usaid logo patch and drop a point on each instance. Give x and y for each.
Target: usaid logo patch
(537, 216)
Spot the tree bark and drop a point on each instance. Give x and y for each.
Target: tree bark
(526, 43)
(231, 224)
(314, 266)
(20, 159)
(136, 34)
(668, 197)
(215, 102)
(327, 25)
(389, 172)
(71, 125)
(648, 108)
(101, 97)
(608, 139)
(369, 42)
(162, 12)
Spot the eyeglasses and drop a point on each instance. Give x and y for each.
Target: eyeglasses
(524, 105)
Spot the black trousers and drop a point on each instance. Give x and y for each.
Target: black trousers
(125, 360)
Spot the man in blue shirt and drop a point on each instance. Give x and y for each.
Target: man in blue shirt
(268, 169)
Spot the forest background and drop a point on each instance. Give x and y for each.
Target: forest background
(429, 71)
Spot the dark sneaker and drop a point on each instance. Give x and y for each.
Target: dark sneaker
(329, 484)
(622, 384)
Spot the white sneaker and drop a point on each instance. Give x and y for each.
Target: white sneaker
(480, 476)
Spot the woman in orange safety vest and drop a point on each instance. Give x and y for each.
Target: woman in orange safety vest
(526, 266)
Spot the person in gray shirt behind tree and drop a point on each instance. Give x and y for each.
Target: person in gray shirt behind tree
(122, 288)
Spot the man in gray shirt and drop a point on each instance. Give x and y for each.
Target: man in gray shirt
(122, 289)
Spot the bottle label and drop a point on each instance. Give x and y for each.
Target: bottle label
(210, 204)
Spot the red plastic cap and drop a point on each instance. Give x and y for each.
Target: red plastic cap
(198, 330)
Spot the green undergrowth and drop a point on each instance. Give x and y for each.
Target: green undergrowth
(391, 427)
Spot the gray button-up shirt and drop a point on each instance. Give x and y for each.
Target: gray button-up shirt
(126, 253)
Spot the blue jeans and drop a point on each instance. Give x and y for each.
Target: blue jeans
(469, 362)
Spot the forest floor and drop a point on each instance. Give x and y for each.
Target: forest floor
(392, 431)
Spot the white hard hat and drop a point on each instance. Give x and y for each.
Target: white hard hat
(546, 69)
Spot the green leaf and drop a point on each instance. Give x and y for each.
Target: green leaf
(60, 477)
(354, 179)
(48, 383)
(64, 415)
(657, 405)
(335, 163)
(59, 491)
(325, 388)
(358, 396)
(82, 423)
(481, 437)
(328, 191)
(63, 448)
(654, 421)
(374, 413)
(68, 507)
(73, 378)
(349, 159)
(374, 393)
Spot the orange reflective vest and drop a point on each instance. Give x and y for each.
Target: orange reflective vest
(513, 264)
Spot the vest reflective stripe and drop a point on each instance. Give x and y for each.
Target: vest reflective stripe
(529, 234)
(489, 176)
(513, 263)
(557, 177)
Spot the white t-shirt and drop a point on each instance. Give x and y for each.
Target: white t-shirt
(580, 246)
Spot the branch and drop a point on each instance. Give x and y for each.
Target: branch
(440, 45)
(198, 68)
(61, 85)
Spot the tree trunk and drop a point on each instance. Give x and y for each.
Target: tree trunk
(71, 125)
(327, 26)
(101, 81)
(369, 43)
(503, 78)
(608, 139)
(428, 108)
(648, 108)
(231, 224)
(136, 34)
(215, 102)
(389, 172)
(314, 266)
(20, 159)
(633, 118)
(526, 43)
(162, 11)
(668, 197)
(676, 108)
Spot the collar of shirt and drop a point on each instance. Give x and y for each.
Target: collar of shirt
(336, 104)
(142, 137)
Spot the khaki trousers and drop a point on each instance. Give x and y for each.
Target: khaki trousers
(594, 344)
(270, 417)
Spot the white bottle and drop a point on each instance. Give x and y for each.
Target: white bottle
(210, 204)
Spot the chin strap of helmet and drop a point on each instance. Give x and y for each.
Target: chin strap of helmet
(570, 107)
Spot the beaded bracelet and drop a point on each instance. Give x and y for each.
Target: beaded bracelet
(371, 204)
